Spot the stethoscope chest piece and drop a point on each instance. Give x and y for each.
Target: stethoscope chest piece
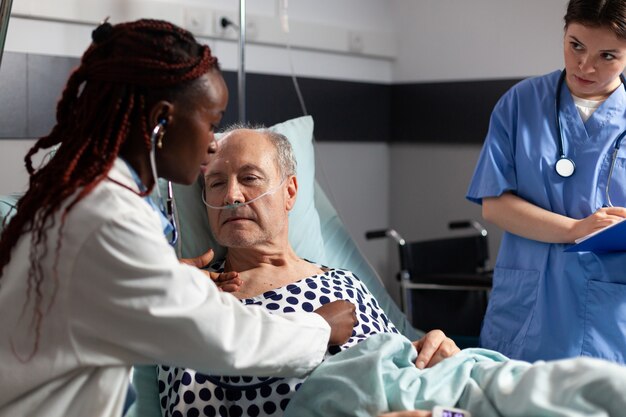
(565, 167)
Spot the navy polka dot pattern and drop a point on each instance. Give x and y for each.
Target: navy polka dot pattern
(186, 393)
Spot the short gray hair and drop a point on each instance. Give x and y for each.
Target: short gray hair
(286, 158)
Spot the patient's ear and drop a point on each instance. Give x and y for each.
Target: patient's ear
(292, 191)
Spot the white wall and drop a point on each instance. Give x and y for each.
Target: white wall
(358, 14)
(67, 25)
(477, 39)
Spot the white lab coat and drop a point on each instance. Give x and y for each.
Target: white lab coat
(122, 298)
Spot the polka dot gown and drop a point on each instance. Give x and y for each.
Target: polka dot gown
(187, 393)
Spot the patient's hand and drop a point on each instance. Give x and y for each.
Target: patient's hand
(341, 315)
(433, 348)
(225, 281)
(414, 413)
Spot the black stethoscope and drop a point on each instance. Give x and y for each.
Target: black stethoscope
(564, 166)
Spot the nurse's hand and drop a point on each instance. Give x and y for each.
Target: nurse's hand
(414, 413)
(434, 347)
(225, 281)
(602, 218)
(341, 316)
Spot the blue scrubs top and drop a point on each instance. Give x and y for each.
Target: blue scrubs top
(546, 303)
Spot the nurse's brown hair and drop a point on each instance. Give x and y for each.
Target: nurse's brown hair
(598, 13)
(127, 67)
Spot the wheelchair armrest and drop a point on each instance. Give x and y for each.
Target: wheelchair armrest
(484, 280)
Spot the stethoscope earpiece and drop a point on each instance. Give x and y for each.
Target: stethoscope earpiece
(156, 138)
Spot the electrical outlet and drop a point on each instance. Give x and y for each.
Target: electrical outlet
(196, 21)
(232, 31)
(218, 29)
(355, 42)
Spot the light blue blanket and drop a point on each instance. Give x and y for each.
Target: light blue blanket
(378, 375)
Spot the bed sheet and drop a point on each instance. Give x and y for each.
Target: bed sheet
(378, 375)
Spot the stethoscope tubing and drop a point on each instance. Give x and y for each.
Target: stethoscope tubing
(562, 159)
(170, 212)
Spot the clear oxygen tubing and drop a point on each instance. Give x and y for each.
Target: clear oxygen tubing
(238, 204)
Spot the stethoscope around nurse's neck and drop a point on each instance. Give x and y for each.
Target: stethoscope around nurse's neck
(565, 166)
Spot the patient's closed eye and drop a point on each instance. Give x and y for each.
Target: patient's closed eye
(253, 179)
(247, 180)
(216, 183)
(250, 179)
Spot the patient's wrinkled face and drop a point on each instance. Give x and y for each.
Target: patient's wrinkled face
(244, 167)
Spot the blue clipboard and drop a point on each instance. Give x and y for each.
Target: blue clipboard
(609, 239)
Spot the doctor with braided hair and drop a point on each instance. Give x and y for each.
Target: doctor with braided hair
(89, 283)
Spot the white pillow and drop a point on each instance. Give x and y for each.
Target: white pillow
(305, 234)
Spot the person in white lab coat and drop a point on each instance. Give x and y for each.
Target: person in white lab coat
(89, 284)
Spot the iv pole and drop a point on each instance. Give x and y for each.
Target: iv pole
(241, 74)
(5, 13)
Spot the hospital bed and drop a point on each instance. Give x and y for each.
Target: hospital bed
(316, 232)
(482, 381)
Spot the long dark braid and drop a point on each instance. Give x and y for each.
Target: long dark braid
(103, 99)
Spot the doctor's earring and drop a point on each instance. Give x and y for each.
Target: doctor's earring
(157, 134)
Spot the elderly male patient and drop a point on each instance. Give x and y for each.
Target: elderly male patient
(250, 188)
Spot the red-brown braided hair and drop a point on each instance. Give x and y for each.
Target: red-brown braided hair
(103, 99)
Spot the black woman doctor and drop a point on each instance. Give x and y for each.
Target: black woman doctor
(89, 285)
(546, 175)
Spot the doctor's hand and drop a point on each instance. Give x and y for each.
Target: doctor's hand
(225, 281)
(341, 316)
(414, 413)
(434, 347)
(602, 218)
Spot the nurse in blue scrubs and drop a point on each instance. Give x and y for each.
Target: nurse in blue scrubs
(542, 177)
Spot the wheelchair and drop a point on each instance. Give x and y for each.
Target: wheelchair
(444, 283)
